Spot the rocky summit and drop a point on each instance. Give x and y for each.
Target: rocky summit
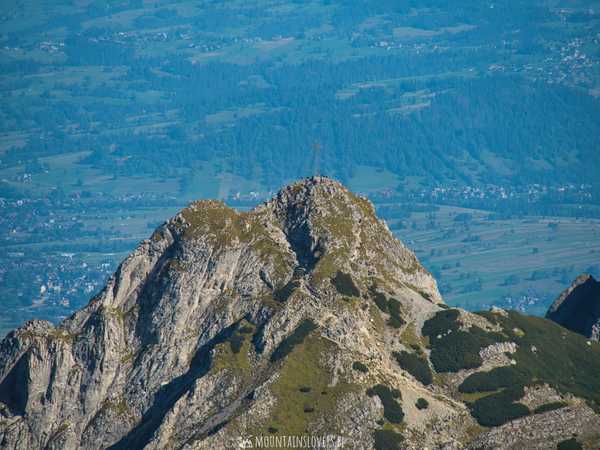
(302, 322)
(578, 307)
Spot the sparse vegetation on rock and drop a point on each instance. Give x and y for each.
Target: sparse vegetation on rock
(357, 365)
(415, 365)
(422, 403)
(231, 323)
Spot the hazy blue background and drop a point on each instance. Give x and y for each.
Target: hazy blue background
(474, 126)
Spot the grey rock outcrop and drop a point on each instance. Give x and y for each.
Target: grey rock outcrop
(226, 326)
(146, 363)
(578, 307)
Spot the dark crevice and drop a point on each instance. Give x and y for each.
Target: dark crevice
(301, 244)
(258, 338)
(283, 294)
(13, 390)
(297, 231)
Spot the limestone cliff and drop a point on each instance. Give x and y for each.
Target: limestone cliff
(302, 317)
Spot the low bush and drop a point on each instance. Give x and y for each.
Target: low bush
(392, 410)
(569, 444)
(549, 407)
(415, 365)
(422, 403)
(387, 440)
(500, 377)
(236, 340)
(389, 306)
(357, 365)
(381, 302)
(455, 352)
(548, 353)
(417, 348)
(441, 323)
(396, 320)
(500, 408)
(344, 285)
(453, 349)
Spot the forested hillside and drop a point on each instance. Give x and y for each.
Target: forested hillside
(113, 115)
(466, 93)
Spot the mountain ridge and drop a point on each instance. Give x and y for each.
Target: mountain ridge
(304, 316)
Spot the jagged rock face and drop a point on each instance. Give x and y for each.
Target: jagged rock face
(578, 307)
(288, 320)
(142, 356)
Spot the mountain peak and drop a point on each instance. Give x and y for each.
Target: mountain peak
(319, 195)
(578, 307)
(316, 225)
(147, 347)
(303, 316)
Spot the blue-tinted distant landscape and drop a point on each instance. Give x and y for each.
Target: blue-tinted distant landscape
(474, 127)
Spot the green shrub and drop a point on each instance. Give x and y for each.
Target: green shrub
(235, 342)
(546, 353)
(425, 295)
(344, 285)
(394, 307)
(396, 320)
(392, 410)
(456, 349)
(389, 306)
(297, 337)
(441, 323)
(387, 440)
(562, 359)
(455, 352)
(569, 444)
(381, 302)
(549, 407)
(500, 408)
(422, 403)
(357, 365)
(415, 365)
(500, 377)
(492, 414)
